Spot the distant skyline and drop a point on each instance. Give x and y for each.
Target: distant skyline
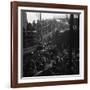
(34, 16)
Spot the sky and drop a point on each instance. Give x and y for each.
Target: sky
(31, 16)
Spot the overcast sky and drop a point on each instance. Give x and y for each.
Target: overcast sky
(31, 16)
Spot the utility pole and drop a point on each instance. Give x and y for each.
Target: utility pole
(40, 17)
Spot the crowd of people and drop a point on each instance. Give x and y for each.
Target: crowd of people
(51, 62)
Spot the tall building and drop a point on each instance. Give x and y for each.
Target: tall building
(23, 20)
